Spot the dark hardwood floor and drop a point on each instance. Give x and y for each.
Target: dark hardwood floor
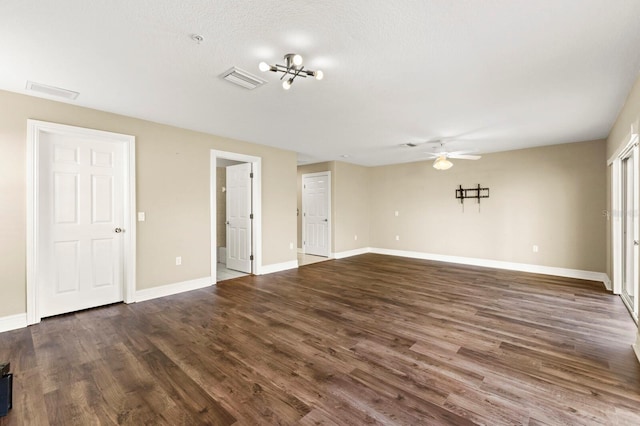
(367, 340)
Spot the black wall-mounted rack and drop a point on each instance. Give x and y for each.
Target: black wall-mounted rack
(477, 193)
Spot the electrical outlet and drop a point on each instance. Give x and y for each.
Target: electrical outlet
(535, 248)
(397, 237)
(141, 217)
(290, 246)
(178, 260)
(397, 213)
(355, 238)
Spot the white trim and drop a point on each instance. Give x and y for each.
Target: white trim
(607, 282)
(636, 347)
(34, 128)
(349, 253)
(13, 322)
(329, 218)
(300, 250)
(171, 289)
(498, 264)
(256, 193)
(278, 267)
(616, 224)
(621, 152)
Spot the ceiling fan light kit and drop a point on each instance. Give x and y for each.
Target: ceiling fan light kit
(442, 163)
(292, 69)
(442, 157)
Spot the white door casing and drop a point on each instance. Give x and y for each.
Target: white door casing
(80, 189)
(316, 213)
(239, 217)
(630, 230)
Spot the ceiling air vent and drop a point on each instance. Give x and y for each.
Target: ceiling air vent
(242, 78)
(51, 91)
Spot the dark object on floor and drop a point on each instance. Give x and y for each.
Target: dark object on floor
(6, 384)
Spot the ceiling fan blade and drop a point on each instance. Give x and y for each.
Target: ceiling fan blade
(465, 157)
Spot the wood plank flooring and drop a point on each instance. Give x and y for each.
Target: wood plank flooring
(366, 340)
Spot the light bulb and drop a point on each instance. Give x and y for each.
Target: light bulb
(319, 75)
(287, 84)
(263, 66)
(297, 60)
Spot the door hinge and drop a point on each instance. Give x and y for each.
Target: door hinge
(251, 175)
(251, 257)
(251, 216)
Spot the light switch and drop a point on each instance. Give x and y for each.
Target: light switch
(141, 216)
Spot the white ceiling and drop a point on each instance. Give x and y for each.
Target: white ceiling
(489, 75)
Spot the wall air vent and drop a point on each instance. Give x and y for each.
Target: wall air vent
(242, 78)
(51, 91)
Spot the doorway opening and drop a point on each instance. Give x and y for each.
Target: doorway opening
(235, 215)
(626, 226)
(81, 232)
(316, 217)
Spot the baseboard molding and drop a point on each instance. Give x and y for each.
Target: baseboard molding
(13, 322)
(349, 253)
(278, 267)
(498, 264)
(170, 289)
(607, 282)
(636, 348)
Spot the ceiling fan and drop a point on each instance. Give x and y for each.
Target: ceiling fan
(442, 157)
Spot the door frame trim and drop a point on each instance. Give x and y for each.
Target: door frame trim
(329, 212)
(615, 162)
(256, 202)
(34, 128)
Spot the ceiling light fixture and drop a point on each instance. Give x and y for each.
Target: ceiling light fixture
(442, 163)
(293, 68)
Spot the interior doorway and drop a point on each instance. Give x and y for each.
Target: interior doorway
(80, 226)
(235, 215)
(316, 214)
(630, 231)
(626, 225)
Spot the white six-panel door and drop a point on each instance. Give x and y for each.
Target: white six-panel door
(239, 217)
(80, 220)
(316, 192)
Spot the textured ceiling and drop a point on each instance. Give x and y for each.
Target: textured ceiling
(487, 75)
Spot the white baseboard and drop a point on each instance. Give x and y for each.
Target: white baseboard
(607, 282)
(636, 347)
(13, 322)
(277, 267)
(170, 289)
(349, 253)
(300, 250)
(498, 264)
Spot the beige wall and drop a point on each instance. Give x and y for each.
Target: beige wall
(172, 188)
(351, 207)
(551, 196)
(628, 121)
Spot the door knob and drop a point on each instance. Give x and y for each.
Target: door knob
(635, 242)
(118, 230)
(227, 222)
(326, 220)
